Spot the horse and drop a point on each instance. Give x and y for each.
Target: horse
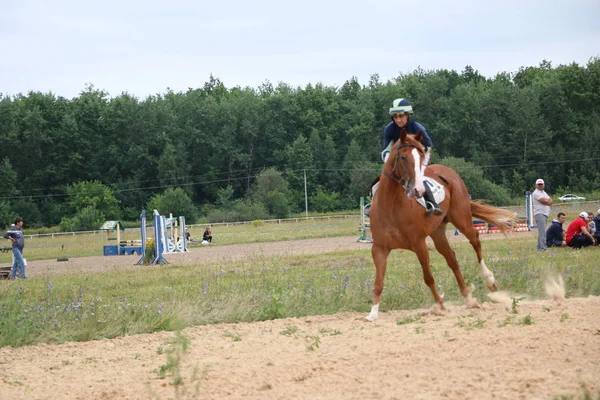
(399, 222)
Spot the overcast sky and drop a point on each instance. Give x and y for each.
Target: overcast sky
(145, 47)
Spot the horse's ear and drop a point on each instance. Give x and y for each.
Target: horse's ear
(403, 135)
(419, 136)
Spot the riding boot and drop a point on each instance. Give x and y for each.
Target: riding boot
(432, 206)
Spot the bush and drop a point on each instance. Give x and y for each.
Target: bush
(324, 201)
(174, 201)
(87, 219)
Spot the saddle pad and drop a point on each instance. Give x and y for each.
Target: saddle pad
(439, 194)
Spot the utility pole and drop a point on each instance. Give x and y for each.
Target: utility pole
(305, 196)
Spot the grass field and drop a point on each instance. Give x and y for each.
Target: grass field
(90, 244)
(94, 306)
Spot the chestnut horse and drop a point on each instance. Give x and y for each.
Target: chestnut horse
(399, 222)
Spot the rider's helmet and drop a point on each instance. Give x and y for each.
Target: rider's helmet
(400, 106)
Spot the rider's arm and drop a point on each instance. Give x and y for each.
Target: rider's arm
(388, 140)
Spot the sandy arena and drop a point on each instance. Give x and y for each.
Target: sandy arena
(464, 354)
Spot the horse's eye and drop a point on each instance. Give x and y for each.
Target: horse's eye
(403, 158)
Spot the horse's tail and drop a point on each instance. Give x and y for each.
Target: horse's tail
(503, 219)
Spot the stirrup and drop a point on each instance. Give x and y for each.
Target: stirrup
(433, 208)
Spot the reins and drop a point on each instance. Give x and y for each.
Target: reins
(394, 176)
(402, 181)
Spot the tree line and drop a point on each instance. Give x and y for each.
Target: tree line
(221, 153)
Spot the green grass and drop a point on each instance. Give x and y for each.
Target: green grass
(85, 307)
(84, 245)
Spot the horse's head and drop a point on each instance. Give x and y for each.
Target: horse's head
(406, 160)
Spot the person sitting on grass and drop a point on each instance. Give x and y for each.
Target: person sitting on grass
(555, 235)
(596, 221)
(578, 235)
(207, 235)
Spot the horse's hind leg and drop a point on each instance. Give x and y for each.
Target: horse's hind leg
(471, 233)
(380, 255)
(443, 247)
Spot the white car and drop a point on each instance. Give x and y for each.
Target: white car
(570, 197)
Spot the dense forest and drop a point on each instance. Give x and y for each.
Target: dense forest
(221, 153)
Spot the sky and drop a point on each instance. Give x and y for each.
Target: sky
(148, 47)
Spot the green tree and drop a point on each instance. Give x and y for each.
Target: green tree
(8, 179)
(324, 201)
(174, 201)
(479, 187)
(95, 194)
(87, 219)
(271, 189)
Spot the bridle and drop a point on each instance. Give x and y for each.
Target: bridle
(401, 180)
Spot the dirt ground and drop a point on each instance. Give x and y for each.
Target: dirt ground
(487, 353)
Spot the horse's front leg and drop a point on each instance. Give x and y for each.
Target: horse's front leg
(380, 255)
(423, 256)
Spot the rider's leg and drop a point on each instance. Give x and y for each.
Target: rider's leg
(432, 205)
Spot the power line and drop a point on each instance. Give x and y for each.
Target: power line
(286, 171)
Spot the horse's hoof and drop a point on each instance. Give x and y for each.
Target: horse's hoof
(438, 309)
(493, 287)
(371, 318)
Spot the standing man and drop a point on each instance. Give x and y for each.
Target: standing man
(541, 210)
(15, 235)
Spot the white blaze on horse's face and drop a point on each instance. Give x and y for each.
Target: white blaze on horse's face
(418, 173)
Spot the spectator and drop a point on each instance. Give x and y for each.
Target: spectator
(15, 235)
(578, 235)
(555, 235)
(207, 235)
(541, 210)
(188, 236)
(596, 221)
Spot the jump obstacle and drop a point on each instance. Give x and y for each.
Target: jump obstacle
(165, 240)
(364, 224)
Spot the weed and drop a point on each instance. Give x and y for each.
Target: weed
(564, 317)
(408, 320)
(507, 321)
(289, 330)
(515, 304)
(234, 336)
(275, 308)
(528, 320)
(313, 342)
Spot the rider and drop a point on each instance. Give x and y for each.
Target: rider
(401, 111)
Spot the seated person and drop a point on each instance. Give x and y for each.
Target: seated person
(188, 236)
(578, 235)
(596, 221)
(207, 235)
(555, 236)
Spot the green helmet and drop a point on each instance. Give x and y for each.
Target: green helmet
(400, 106)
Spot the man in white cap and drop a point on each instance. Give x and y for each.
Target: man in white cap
(541, 210)
(578, 234)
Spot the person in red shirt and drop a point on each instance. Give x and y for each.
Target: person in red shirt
(578, 235)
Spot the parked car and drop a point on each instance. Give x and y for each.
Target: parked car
(570, 197)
